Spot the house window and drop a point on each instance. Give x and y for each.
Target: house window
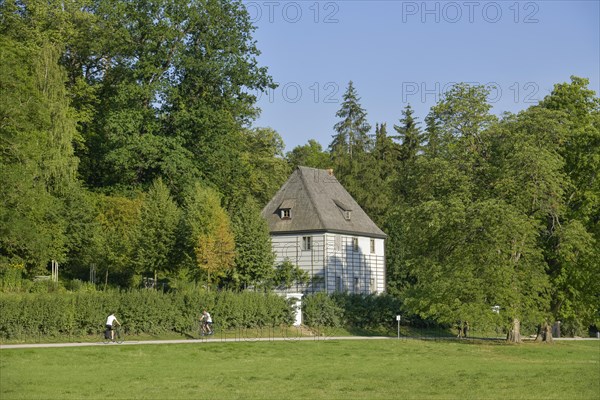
(356, 285)
(355, 244)
(339, 285)
(372, 245)
(285, 208)
(347, 215)
(372, 286)
(337, 243)
(306, 242)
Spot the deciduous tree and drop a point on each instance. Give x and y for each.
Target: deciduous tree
(37, 165)
(309, 155)
(159, 218)
(208, 233)
(254, 257)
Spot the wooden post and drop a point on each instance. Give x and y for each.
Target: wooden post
(54, 273)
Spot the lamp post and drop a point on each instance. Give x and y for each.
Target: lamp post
(398, 318)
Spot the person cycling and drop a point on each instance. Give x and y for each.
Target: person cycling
(206, 323)
(111, 322)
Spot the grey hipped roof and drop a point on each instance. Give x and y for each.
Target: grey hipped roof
(317, 202)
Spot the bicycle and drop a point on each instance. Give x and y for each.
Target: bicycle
(206, 329)
(118, 336)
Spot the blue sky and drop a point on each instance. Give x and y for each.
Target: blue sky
(400, 52)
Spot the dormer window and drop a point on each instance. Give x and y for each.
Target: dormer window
(285, 209)
(344, 209)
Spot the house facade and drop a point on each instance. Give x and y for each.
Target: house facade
(318, 226)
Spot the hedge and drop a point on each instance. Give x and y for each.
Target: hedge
(64, 313)
(142, 311)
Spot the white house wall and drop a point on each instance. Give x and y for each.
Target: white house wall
(333, 263)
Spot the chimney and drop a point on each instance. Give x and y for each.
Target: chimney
(330, 171)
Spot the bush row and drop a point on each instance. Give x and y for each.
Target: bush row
(143, 311)
(369, 312)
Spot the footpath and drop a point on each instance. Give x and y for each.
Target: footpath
(194, 341)
(238, 339)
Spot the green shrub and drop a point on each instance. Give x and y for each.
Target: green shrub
(368, 311)
(321, 310)
(141, 311)
(11, 277)
(62, 313)
(351, 310)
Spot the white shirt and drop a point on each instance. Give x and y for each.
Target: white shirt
(111, 318)
(207, 317)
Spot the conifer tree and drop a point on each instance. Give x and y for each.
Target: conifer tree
(432, 136)
(410, 136)
(384, 149)
(352, 132)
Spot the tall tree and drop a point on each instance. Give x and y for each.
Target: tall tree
(572, 248)
(159, 218)
(409, 134)
(115, 244)
(371, 176)
(580, 108)
(432, 136)
(352, 132)
(267, 169)
(37, 165)
(460, 117)
(208, 234)
(411, 141)
(309, 155)
(209, 100)
(384, 149)
(254, 257)
(468, 243)
(350, 152)
(160, 88)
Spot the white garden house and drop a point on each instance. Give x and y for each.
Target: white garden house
(317, 225)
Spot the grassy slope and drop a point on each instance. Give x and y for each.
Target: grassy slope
(314, 370)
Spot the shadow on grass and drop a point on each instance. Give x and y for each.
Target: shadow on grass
(406, 332)
(187, 335)
(354, 331)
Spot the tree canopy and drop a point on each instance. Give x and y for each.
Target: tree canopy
(128, 150)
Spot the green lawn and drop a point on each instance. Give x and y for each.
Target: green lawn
(328, 369)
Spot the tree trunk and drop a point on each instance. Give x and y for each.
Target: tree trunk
(463, 329)
(544, 333)
(514, 335)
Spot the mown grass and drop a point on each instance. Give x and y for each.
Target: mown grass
(325, 369)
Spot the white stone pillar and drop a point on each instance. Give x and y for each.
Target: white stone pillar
(297, 306)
